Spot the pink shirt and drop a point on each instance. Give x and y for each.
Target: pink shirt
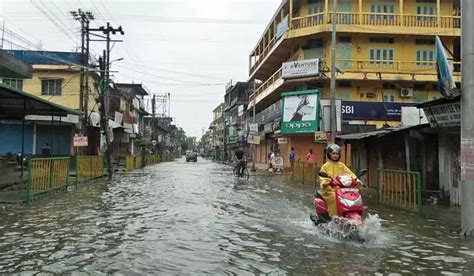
(310, 157)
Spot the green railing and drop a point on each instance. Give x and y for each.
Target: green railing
(306, 173)
(89, 167)
(135, 162)
(400, 189)
(46, 174)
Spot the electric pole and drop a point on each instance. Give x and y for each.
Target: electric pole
(153, 124)
(84, 18)
(104, 64)
(333, 74)
(467, 115)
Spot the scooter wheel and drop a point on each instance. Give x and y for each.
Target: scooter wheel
(314, 218)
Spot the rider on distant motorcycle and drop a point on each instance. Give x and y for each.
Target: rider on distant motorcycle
(333, 167)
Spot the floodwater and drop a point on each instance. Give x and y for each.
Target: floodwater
(197, 218)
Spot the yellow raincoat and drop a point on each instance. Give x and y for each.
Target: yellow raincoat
(333, 169)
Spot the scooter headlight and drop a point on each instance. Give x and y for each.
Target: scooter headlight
(350, 203)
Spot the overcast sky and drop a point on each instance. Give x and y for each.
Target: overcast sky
(188, 48)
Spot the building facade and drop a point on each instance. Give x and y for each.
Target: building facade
(235, 106)
(385, 58)
(55, 78)
(217, 135)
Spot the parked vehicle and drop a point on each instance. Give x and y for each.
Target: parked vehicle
(191, 156)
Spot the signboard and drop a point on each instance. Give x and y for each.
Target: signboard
(240, 110)
(80, 140)
(300, 68)
(282, 140)
(253, 128)
(267, 128)
(123, 105)
(352, 110)
(446, 83)
(444, 115)
(277, 162)
(320, 137)
(253, 139)
(118, 117)
(300, 112)
(282, 27)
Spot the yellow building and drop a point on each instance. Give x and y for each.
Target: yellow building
(385, 55)
(56, 78)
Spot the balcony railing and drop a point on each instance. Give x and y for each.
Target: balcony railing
(365, 19)
(271, 80)
(371, 66)
(378, 19)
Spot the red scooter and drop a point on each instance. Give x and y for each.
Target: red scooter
(350, 208)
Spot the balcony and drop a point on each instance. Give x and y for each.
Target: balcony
(267, 56)
(360, 69)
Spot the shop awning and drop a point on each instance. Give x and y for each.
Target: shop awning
(15, 104)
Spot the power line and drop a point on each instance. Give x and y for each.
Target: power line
(166, 78)
(52, 20)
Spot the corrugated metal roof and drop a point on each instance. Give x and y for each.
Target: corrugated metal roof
(14, 104)
(376, 133)
(47, 57)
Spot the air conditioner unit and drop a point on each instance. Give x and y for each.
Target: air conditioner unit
(406, 92)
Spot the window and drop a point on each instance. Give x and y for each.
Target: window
(383, 11)
(51, 87)
(345, 84)
(425, 41)
(427, 14)
(389, 98)
(381, 56)
(386, 40)
(389, 85)
(14, 83)
(419, 86)
(424, 55)
(345, 39)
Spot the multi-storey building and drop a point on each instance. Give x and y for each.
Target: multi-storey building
(235, 104)
(385, 58)
(217, 137)
(56, 78)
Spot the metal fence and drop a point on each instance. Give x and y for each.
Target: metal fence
(401, 189)
(135, 162)
(89, 167)
(46, 174)
(304, 172)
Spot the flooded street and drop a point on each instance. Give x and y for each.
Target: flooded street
(195, 218)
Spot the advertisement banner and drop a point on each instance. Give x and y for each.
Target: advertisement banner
(321, 137)
(80, 141)
(253, 139)
(253, 128)
(282, 27)
(300, 68)
(300, 112)
(353, 110)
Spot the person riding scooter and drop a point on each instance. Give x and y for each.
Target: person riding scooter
(333, 167)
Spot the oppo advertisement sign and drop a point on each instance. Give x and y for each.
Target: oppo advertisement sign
(300, 112)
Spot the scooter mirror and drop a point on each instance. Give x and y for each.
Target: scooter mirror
(362, 172)
(323, 174)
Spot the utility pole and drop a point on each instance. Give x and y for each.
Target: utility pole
(333, 73)
(467, 115)
(104, 65)
(254, 149)
(153, 106)
(84, 18)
